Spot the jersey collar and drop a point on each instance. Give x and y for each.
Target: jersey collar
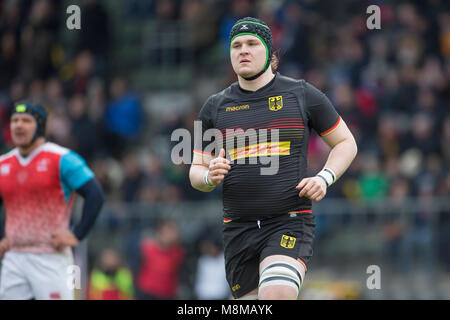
(263, 89)
(24, 161)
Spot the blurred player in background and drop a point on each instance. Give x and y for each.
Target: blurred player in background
(268, 222)
(37, 184)
(161, 261)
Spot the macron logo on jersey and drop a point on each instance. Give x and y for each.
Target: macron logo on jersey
(5, 169)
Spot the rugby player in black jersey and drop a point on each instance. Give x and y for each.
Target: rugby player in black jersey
(268, 227)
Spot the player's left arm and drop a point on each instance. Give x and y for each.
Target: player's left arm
(94, 197)
(343, 151)
(324, 119)
(77, 177)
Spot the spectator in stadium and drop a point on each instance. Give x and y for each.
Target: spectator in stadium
(200, 21)
(133, 178)
(236, 9)
(161, 259)
(394, 228)
(60, 127)
(8, 59)
(110, 279)
(54, 93)
(373, 182)
(444, 142)
(123, 116)
(83, 73)
(418, 237)
(83, 132)
(166, 10)
(37, 39)
(444, 224)
(268, 221)
(38, 181)
(210, 279)
(95, 33)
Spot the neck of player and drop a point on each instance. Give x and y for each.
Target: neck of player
(26, 150)
(258, 83)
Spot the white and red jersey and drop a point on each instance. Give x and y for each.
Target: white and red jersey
(37, 192)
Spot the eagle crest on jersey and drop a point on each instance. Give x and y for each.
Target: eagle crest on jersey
(275, 103)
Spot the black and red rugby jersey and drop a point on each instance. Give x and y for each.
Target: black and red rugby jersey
(293, 107)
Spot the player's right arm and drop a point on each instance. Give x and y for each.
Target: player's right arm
(207, 172)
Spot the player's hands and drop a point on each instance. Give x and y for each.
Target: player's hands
(218, 168)
(63, 239)
(313, 188)
(4, 246)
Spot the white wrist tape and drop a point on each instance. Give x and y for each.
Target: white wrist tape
(328, 175)
(206, 179)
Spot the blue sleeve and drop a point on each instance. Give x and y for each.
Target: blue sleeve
(74, 172)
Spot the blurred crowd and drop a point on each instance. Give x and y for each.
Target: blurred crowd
(391, 86)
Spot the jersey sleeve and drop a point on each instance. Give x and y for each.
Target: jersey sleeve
(323, 117)
(207, 122)
(74, 171)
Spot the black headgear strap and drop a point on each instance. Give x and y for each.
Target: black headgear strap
(258, 28)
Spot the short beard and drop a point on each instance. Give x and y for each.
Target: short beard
(26, 145)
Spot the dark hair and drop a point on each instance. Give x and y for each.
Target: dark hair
(275, 63)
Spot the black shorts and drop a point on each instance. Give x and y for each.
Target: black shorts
(247, 243)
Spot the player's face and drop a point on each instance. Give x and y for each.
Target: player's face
(248, 55)
(23, 127)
